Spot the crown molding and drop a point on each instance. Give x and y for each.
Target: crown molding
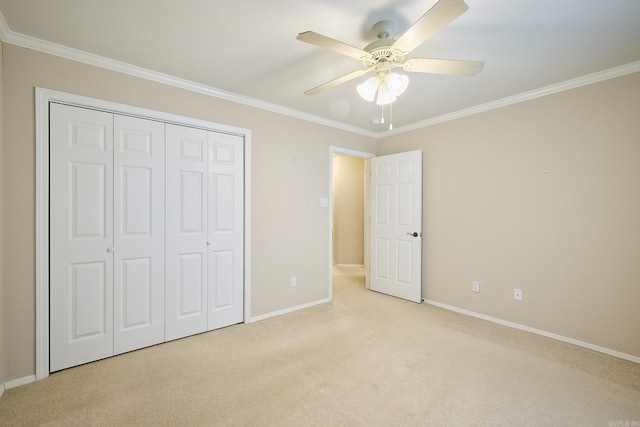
(22, 40)
(55, 49)
(599, 76)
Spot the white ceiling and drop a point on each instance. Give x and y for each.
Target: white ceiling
(249, 47)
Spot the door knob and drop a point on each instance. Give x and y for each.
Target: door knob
(111, 249)
(414, 234)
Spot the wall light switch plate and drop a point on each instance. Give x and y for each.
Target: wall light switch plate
(475, 286)
(324, 202)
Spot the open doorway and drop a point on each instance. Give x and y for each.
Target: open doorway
(348, 230)
(348, 211)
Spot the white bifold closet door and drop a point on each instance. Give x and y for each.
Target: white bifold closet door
(107, 234)
(204, 235)
(186, 249)
(226, 230)
(138, 293)
(146, 233)
(81, 236)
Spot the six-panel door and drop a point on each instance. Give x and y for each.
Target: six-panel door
(396, 225)
(81, 239)
(226, 230)
(138, 233)
(186, 232)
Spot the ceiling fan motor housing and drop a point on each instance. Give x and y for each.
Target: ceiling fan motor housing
(382, 51)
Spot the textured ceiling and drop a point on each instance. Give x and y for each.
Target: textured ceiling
(249, 47)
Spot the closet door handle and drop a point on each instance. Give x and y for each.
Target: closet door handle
(110, 249)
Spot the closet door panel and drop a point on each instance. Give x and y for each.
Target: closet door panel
(186, 232)
(138, 233)
(81, 236)
(226, 230)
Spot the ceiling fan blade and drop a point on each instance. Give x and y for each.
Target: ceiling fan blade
(435, 19)
(443, 66)
(331, 44)
(336, 82)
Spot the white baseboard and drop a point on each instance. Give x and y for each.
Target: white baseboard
(1, 389)
(579, 343)
(20, 381)
(287, 310)
(349, 265)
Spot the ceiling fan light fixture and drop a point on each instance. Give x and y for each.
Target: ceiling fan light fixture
(385, 95)
(387, 87)
(367, 89)
(397, 83)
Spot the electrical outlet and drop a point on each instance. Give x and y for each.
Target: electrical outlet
(293, 281)
(475, 286)
(517, 294)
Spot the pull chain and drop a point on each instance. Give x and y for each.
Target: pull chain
(382, 114)
(391, 116)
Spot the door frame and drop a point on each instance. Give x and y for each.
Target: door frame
(42, 99)
(363, 155)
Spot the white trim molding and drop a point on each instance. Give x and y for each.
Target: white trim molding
(62, 51)
(43, 98)
(18, 382)
(525, 328)
(29, 42)
(611, 73)
(288, 310)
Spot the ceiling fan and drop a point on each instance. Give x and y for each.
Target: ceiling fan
(385, 54)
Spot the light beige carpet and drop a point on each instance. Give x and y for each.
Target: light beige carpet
(365, 359)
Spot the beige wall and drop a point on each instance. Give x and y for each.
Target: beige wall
(3, 344)
(568, 237)
(544, 196)
(348, 210)
(290, 173)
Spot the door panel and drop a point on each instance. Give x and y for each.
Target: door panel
(191, 286)
(186, 232)
(396, 213)
(191, 202)
(226, 230)
(138, 233)
(382, 208)
(88, 300)
(137, 293)
(81, 275)
(381, 253)
(221, 263)
(137, 201)
(89, 200)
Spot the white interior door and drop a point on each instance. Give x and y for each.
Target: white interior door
(81, 236)
(138, 233)
(186, 231)
(226, 230)
(396, 225)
